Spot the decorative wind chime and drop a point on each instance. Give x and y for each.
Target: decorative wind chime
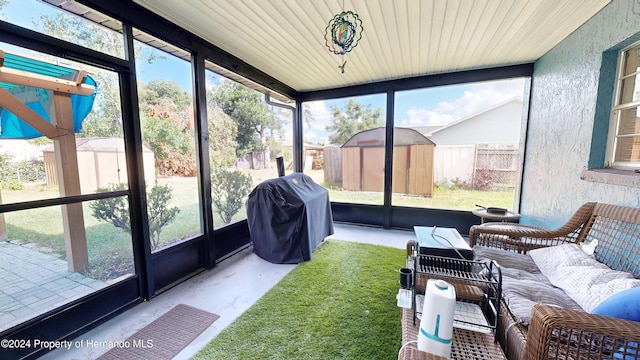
(343, 33)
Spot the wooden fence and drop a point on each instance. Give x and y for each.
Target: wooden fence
(496, 166)
(332, 164)
(480, 167)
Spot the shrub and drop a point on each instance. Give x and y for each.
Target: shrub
(115, 210)
(159, 214)
(228, 190)
(483, 180)
(11, 184)
(31, 170)
(12, 174)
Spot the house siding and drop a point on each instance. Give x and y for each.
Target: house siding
(481, 128)
(563, 107)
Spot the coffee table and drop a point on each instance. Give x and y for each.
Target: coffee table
(466, 344)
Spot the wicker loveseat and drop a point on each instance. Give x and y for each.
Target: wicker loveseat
(561, 333)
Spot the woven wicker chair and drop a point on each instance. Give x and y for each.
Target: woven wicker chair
(522, 238)
(556, 333)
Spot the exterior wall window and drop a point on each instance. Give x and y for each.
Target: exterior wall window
(624, 142)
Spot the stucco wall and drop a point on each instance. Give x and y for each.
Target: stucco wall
(561, 122)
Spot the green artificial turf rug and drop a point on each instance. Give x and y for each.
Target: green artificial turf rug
(339, 305)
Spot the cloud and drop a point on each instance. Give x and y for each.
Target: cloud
(424, 117)
(480, 97)
(320, 113)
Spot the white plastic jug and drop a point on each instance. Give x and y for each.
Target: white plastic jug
(436, 325)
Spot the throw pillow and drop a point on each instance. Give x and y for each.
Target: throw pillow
(632, 352)
(623, 305)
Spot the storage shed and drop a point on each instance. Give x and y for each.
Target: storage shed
(101, 162)
(363, 162)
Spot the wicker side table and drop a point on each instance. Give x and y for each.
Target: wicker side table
(509, 216)
(466, 344)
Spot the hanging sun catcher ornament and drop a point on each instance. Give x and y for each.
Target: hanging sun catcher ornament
(343, 33)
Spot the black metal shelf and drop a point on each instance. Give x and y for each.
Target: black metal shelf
(485, 276)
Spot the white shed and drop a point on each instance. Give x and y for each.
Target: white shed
(101, 162)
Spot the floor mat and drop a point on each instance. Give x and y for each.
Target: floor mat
(164, 337)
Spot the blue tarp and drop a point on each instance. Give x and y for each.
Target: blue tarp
(11, 127)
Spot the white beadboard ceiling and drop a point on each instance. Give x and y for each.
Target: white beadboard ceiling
(402, 38)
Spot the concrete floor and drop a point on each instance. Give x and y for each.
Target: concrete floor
(227, 290)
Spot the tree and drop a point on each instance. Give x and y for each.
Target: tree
(222, 135)
(228, 190)
(164, 137)
(167, 122)
(158, 90)
(354, 118)
(253, 117)
(105, 119)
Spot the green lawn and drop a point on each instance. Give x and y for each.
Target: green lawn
(110, 248)
(453, 199)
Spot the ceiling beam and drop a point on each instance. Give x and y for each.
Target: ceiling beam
(422, 82)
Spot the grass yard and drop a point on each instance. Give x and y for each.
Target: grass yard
(453, 199)
(110, 248)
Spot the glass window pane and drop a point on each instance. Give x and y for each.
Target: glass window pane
(630, 89)
(628, 149)
(37, 271)
(65, 25)
(457, 146)
(28, 162)
(631, 60)
(629, 122)
(344, 147)
(168, 135)
(247, 135)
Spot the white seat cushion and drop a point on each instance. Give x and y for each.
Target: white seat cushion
(587, 281)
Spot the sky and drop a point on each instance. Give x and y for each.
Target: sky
(425, 107)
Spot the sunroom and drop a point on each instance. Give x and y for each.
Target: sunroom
(521, 100)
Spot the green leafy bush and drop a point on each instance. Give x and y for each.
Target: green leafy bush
(159, 213)
(115, 210)
(31, 170)
(11, 184)
(228, 190)
(13, 174)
